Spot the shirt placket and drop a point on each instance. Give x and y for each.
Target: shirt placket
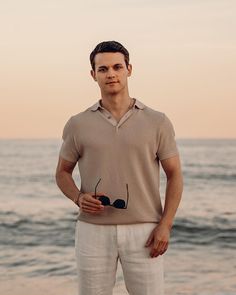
(108, 116)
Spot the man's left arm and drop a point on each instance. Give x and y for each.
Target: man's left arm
(159, 238)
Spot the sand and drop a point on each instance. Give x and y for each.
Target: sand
(48, 286)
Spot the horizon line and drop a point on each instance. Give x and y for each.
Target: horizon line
(59, 138)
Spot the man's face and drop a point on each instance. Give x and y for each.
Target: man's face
(111, 72)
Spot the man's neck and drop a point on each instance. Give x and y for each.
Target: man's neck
(116, 104)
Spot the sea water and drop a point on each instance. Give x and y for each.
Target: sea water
(37, 221)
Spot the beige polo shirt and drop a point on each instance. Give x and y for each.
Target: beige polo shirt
(120, 153)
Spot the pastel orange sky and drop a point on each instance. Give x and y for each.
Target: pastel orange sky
(183, 55)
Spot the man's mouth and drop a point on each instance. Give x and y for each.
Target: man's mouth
(114, 82)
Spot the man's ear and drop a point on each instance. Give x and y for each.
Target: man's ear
(129, 70)
(93, 75)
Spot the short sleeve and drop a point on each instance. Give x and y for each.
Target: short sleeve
(167, 146)
(69, 150)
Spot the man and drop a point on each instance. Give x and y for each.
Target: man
(119, 144)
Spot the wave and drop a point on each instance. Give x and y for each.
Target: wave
(21, 231)
(217, 231)
(210, 176)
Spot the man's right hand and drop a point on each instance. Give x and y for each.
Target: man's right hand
(89, 204)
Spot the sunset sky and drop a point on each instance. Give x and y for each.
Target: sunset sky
(183, 55)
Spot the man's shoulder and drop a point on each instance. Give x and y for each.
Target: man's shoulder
(83, 115)
(153, 114)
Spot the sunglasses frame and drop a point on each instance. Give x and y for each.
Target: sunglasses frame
(127, 196)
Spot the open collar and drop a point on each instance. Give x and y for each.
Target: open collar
(97, 105)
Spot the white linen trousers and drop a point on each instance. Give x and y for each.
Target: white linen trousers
(98, 248)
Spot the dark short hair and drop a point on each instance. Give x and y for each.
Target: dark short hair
(109, 46)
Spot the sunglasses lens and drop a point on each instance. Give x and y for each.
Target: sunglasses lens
(105, 200)
(119, 203)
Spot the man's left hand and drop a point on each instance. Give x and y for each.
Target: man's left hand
(158, 240)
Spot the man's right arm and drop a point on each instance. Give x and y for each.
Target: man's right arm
(65, 182)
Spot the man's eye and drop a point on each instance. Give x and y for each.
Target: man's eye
(118, 67)
(101, 70)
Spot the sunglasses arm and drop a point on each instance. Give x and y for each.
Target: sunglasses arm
(127, 189)
(96, 187)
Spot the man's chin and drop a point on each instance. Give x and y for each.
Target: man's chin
(112, 92)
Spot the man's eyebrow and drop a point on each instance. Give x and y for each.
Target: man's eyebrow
(118, 64)
(102, 67)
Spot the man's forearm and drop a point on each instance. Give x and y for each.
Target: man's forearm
(174, 189)
(67, 185)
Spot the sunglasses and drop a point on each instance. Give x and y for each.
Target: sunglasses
(119, 203)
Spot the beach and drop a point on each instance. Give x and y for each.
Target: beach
(49, 286)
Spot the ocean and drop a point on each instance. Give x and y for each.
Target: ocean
(37, 222)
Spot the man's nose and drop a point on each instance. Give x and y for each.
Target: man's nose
(110, 73)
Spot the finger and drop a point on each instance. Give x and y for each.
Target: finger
(160, 245)
(156, 249)
(163, 252)
(90, 199)
(164, 247)
(156, 254)
(88, 207)
(91, 205)
(161, 249)
(149, 240)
